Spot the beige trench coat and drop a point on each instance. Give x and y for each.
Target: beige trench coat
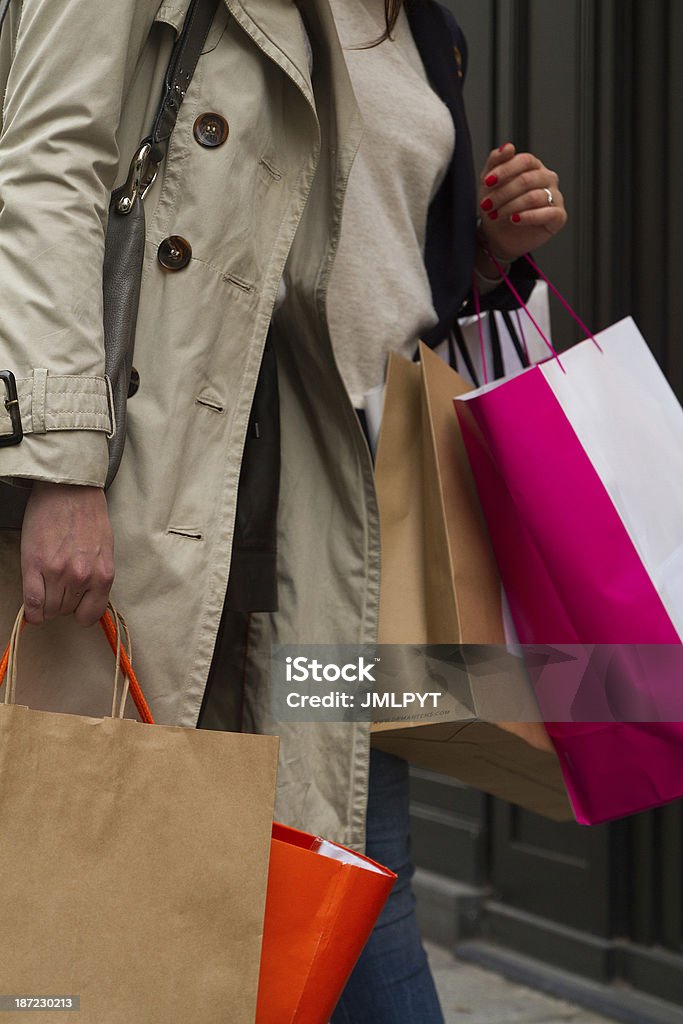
(83, 84)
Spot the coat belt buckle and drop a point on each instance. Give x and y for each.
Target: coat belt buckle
(12, 406)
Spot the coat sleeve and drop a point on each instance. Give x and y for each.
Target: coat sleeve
(67, 66)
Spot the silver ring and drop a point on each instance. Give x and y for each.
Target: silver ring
(551, 201)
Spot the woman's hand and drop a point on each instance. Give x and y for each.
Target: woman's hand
(67, 553)
(515, 195)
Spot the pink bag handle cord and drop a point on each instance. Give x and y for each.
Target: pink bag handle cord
(575, 316)
(482, 348)
(522, 303)
(572, 312)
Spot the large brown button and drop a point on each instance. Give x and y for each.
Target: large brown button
(211, 130)
(133, 383)
(174, 253)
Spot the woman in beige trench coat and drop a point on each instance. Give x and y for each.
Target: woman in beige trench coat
(81, 86)
(70, 125)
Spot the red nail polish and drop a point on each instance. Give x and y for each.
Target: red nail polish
(515, 218)
(491, 180)
(501, 148)
(487, 205)
(494, 215)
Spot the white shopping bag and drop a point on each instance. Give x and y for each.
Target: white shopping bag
(513, 333)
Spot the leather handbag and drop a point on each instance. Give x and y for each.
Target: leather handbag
(124, 248)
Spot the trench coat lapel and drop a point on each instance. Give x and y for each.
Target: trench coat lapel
(277, 28)
(337, 90)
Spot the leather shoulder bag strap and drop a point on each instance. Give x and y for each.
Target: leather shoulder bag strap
(184, 57)
(181, 67)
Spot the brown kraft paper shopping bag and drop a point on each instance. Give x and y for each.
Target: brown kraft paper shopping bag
(135, 861)
(440, 585)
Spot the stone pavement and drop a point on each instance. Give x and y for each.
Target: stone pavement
(472, 995)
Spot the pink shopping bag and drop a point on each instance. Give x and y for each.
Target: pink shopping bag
(579, 467)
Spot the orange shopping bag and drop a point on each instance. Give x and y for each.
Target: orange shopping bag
(322, 903)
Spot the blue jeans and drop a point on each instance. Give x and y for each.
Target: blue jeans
(392, 982)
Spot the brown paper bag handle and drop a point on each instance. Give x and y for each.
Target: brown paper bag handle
(112, 624)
